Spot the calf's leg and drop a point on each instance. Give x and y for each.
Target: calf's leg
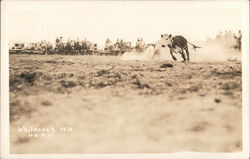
(171, 52)
(183, 55)
(186, 49)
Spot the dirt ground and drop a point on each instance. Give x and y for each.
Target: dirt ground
(102, 104)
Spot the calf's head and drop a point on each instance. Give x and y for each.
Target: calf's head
(166, 40)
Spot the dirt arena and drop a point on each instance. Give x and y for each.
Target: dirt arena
(102, 104)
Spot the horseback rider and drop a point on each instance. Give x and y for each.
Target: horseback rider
(137, 43)
(57, 40)
(140, 45)
(108, 44)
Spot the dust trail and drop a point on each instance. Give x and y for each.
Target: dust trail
(134, 55)
(150, 53)
(215, 51)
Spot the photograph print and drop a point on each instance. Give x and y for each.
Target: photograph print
(125, 77)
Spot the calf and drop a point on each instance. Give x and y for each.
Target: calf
(176, 41)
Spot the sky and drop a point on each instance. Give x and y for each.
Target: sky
(97, 20)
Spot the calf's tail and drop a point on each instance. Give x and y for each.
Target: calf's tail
(194, 46)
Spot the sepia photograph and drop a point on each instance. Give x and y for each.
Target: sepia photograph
(125, 77)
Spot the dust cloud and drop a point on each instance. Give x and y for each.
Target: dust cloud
(150, 53)
(219, 49)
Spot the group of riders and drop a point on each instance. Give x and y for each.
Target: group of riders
(85, 47)
(59, 47)
(125, 46)
(119, 45)
(74, 46)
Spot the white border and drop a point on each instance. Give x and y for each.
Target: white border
(245, 79)
(194, 155)
(4, 83)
